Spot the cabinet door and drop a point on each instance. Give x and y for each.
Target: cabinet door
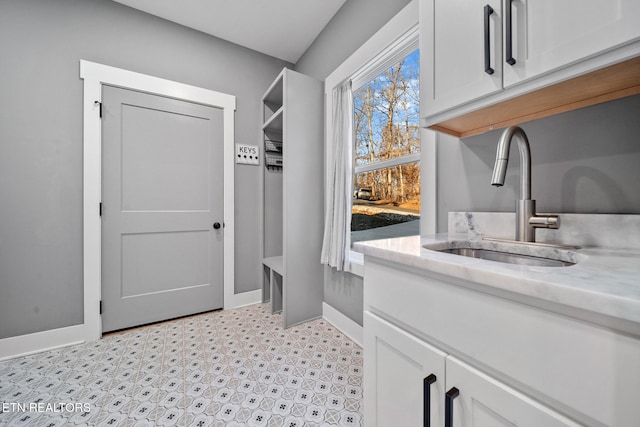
(453, 52)
(550, 34)
(396, 365)
(485, 402)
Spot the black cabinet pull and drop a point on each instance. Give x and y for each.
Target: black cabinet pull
(488, 11)
(216, 225)
(509, 48)
(426, 395)
(448, 406)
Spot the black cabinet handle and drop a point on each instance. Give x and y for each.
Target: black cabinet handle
(216, 225)
(509, 43)
(448, 406)
(426, 395)
(488, 11)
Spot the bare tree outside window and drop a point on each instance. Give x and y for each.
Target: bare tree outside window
(386, 132)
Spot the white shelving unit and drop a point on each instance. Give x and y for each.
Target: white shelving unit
(293, 197)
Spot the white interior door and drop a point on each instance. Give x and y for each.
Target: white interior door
(162, 192)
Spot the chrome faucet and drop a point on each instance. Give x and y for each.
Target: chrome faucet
(526, 219)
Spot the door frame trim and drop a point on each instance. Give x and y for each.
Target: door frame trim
(95, 75)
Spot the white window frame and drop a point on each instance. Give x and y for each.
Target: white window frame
(391, 43)
(393, 54)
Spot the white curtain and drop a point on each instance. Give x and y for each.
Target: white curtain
(337, 224)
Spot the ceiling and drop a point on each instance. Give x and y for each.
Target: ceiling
(280, 28)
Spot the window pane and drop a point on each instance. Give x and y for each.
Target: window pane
(386, 203)
(387, 114)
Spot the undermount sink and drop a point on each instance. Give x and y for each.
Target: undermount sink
(506, 257)
(509, 252)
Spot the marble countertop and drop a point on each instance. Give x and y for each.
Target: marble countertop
(604, 281)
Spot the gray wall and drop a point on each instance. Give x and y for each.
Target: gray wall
(344, 292)
(41, 43)
(349, 29)
(584, 161)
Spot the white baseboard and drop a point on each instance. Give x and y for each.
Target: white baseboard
(24, 345)
(245, 298)
(343, 323)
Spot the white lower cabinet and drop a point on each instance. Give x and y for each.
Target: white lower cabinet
(403, 377)
(482, 401)
(514, 363)
(409, 382)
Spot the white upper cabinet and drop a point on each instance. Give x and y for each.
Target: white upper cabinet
(455, 56)
(478, 54)
(549, 34)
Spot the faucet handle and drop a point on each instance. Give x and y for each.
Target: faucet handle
(545, 221)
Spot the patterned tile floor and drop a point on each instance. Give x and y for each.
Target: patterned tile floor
(225, 368)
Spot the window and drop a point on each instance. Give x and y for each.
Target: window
(386, 152)
(393, 43)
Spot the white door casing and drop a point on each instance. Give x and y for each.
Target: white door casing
(94, 76)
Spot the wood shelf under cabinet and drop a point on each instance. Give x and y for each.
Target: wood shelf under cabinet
(606, 84)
